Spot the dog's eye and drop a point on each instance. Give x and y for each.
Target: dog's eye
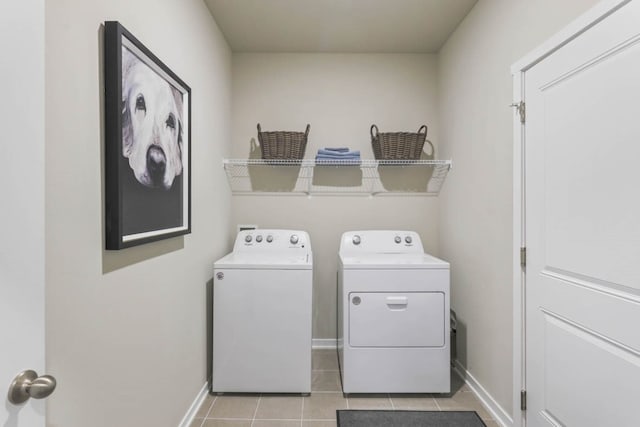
(171, 121)
(140, 104)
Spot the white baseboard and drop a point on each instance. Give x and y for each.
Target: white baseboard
(497, 412)
(193, 409)
(323, 343)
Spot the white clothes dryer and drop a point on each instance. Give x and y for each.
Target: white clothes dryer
(393, 315)
(262, 305)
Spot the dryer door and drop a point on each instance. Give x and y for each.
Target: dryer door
(396, 319)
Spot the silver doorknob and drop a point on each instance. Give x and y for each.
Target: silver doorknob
(28, 384)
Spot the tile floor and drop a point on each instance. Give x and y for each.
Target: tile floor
(319, 408)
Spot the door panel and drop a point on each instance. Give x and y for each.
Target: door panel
(589, 210)
(22, 213)
(614, 376)
(582, 146)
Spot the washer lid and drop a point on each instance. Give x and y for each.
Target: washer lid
(393, 261)
(265, 261)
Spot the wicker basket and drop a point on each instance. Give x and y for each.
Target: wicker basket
(283, 145)
(398, 145)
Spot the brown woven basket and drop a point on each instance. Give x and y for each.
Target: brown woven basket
(398, 145)
(283, 145)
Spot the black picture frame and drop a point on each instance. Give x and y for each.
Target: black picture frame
(147, 144)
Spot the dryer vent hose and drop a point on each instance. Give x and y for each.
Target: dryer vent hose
(454, 321)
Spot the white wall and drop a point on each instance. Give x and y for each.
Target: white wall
(126, 329)
(340, 95)
(476, 204)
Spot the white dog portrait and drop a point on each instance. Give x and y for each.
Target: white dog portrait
(147, 142)
(152, 124)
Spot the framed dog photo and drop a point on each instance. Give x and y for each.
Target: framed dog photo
(147, 144)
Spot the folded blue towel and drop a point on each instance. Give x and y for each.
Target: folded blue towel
(337, 160)
(327, 156)
(320, 160)
(325, 152)
(338, 149)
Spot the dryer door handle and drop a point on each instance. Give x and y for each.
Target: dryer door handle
(397, 302)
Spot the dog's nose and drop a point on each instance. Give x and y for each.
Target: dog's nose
(156, 164)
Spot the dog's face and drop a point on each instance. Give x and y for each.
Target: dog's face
(151, 124)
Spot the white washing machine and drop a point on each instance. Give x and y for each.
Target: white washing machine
(393, 315)
(262, 296)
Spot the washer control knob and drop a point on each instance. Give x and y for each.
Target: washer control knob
(398, 239)
(356, 240)
(259, 238)
(269, 238)
(408, 239)
(294, 239)
(248, 238)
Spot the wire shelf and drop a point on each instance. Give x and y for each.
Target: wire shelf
(336, 177)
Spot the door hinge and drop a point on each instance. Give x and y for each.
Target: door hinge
(523, 257)
(520, 109)
(523, 400)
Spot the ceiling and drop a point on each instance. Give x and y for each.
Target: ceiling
(380, 26)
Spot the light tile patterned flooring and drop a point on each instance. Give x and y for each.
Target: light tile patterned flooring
(319, 408)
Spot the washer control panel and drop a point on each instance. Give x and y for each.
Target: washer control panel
(271, 240)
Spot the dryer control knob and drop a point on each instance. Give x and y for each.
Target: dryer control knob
(356, 240)
(269, 238)
(294, 239)
(408, 239)
(259, 238)
(248, 238)
(398, 239)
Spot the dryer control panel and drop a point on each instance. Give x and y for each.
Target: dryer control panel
(380, 242)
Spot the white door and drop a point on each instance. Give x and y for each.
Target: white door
(22, 267)
(582, 198)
